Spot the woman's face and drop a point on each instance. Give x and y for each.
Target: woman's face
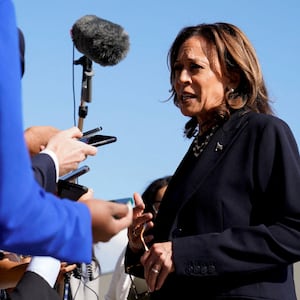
(198, 87)
(158, 198)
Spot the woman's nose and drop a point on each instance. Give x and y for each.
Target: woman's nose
(184, 76)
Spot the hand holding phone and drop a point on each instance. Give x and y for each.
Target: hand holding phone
(68, 189)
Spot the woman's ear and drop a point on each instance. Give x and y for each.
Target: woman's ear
(234, 81)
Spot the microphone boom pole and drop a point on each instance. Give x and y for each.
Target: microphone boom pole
(100, 41)
(86, 88)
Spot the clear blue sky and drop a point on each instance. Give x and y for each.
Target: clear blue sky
(127, 99)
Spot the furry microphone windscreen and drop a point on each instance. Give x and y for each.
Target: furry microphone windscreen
(100, 40)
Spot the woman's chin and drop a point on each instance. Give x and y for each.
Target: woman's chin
(187, 112)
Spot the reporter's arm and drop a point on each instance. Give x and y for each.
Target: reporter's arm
(32, 221)
(108, 218)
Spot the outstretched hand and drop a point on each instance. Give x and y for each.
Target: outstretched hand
(108, 218)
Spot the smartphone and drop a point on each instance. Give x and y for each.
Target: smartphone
(75, 173)
(70, 190)
(128, 200)
(92, 131)
(98, 139)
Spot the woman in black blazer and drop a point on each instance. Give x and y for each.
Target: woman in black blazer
(229, 223)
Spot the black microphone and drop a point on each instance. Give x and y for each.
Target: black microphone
(100, 40)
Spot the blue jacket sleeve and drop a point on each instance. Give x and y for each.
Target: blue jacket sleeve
(31, 221)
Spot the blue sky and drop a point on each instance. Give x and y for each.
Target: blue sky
(128, 98)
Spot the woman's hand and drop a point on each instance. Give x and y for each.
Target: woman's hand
(141, 222)
(158, 264)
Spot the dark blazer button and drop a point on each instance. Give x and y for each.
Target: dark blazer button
(189, 270)
(197, 269)
(203, 269)
(211, 269)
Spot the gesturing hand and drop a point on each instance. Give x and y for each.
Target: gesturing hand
(141, 223)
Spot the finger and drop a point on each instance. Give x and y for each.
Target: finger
(153, 275)
(160, 279)
(147, 260)
(90, 150)
(74, 132)
(166, 268)
(148, 238)
(139, 203)
(70, 268)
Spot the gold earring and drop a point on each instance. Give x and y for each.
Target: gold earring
(230, 94)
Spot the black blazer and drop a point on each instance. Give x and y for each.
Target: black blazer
(33, 287)
(44, 171)
(233, 214)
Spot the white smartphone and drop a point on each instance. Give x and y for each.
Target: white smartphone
(128, 200)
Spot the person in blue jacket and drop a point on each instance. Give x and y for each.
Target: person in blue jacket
(33, 221)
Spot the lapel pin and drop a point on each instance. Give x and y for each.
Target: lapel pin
(219, 147)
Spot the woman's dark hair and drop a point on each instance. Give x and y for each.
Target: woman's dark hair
(150, 193)
(236, 56)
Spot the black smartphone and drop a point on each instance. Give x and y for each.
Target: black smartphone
(98, 139)
(70, 190)
(75, 173)
(92, 131)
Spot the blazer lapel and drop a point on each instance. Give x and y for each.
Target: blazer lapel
(215, 151)
(191, 172)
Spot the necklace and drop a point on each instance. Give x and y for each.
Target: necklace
(198, 148)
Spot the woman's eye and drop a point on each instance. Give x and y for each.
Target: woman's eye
(195, 67)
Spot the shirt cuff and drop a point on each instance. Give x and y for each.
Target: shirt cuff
(45, 266)
(55, 160)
